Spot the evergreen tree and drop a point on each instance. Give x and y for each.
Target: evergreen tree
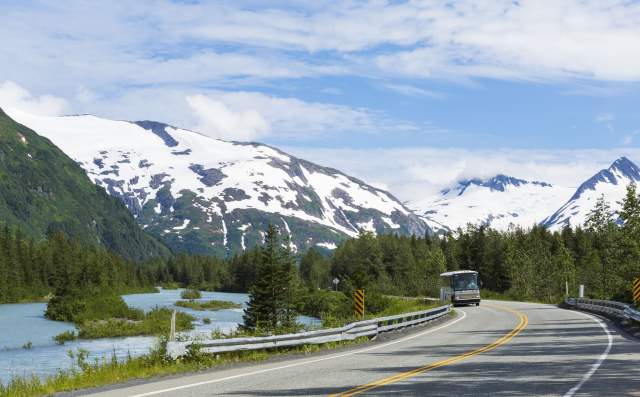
(271, 298)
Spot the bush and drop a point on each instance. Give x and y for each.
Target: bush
(208, 305)
(191, 294)
(156, 322)
(65, 337)
(320, 303)
(93, 306)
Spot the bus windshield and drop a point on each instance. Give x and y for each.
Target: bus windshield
(465, 281)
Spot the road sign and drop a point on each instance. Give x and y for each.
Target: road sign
(358, 298)
(636, 291)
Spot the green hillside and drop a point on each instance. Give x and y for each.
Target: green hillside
(43, 192)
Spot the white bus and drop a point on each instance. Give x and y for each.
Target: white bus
(460, 287)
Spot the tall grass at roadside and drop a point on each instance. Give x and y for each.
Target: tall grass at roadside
(108, 371)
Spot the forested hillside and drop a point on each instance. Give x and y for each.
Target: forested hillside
(44, 192)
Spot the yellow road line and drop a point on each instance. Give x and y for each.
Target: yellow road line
(524, 320)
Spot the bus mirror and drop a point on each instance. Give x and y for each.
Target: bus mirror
(480, 283)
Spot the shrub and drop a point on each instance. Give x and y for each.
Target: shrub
(208, 305)
(65, 337)
(191, 294)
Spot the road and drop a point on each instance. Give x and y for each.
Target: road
(497, 349)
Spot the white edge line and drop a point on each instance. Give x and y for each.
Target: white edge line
(298, 364)
(599, 361)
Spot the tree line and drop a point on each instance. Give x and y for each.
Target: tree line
(528, 264)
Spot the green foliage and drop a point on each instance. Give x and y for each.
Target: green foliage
(95, 305)
(44, 192)
(156, 322)
(65, 336)
(322, 303)
(272, 298)
(208, 305)
(190, 294)
(388, 264)
(31, 270)
(315, 270)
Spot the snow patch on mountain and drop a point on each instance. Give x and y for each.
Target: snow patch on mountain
(611, 182)
(166, 174)
(500, 202)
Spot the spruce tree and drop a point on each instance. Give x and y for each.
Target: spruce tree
(272, 296)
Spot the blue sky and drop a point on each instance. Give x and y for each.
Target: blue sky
(440, 90)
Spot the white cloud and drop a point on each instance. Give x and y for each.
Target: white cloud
(528, 39)
(410, 90)
(216, 119)
(14, 96)
(244, 115)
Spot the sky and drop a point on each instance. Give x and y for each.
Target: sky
(410, 96)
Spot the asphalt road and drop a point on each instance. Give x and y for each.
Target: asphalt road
(497, 349)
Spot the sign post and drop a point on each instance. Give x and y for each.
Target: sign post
(335, 283)
(358, 298)
(636, 291)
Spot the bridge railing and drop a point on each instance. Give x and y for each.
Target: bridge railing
(616, 309)
(351, 331)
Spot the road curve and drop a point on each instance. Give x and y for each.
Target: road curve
(497, 349)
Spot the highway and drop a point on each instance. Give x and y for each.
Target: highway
(497, 349)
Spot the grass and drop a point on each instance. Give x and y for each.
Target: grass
(382, 306)
(208, 305)
(191, 294)
(156, 322)
(108, 371)
(65, 336)
(508, 296)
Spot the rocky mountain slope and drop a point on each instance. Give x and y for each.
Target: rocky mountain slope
(43, 192)
(205, 195)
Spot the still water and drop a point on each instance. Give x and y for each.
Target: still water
(25, 323)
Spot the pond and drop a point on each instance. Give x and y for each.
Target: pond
(21, 324)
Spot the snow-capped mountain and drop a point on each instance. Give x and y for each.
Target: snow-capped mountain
(611, 182)
(207, 195)
(498, 202)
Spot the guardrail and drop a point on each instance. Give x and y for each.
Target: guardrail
(351, 331)
(616, 309)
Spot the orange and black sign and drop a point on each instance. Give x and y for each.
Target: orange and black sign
(358, 299)
(636, 291)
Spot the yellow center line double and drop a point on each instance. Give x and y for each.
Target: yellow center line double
(524, 320)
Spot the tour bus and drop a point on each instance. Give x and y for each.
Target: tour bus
(460, 287)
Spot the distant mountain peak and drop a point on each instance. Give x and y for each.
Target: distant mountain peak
(498, 182)
(626, 167)
(621, 168)
(611, 181)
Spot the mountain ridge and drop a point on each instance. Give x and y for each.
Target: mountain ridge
(206, 195)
